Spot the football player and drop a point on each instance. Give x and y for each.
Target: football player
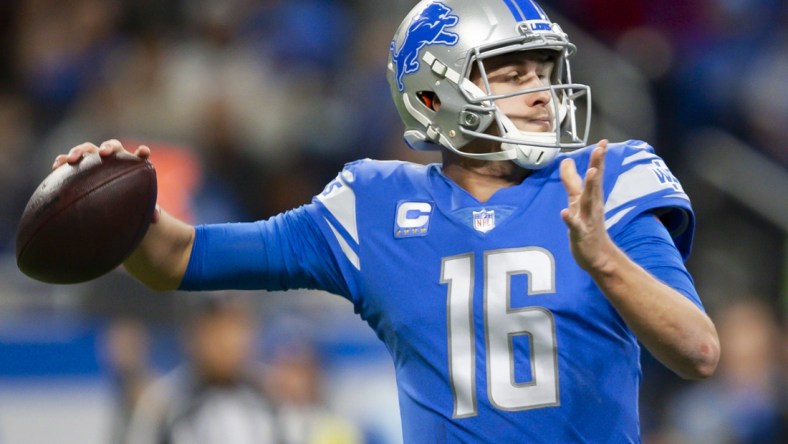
(513, 282)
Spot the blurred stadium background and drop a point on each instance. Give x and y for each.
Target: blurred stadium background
(251, 106)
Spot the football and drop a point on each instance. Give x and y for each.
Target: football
(85, 219)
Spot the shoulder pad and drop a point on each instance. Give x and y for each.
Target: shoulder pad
(638, 181)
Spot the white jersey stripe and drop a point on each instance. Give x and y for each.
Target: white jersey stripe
(349, 253)
(639, 181)
(610, 221)
(340, 200)
(638, 156)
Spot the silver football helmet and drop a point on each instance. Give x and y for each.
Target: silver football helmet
(435, 50)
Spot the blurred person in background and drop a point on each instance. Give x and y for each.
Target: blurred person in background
(217, 395)
(472, 256)
(16, 125)
(747, 402)
(57, 52)
(294, 381)
(126, 352)
(714, 89)
(764, 98)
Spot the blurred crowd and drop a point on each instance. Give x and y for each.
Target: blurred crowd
(252, 106)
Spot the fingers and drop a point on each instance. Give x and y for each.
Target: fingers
(107, 148)
(110, 146)
(114, 146)
(59, 160)
(585, 195)
(598, 156)
(75, 154)
(574, 191)
(569, 220)
(571, 180)
(595, 173)
(143, 152)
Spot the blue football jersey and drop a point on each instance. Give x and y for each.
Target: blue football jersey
(493, 328)
(496, 334)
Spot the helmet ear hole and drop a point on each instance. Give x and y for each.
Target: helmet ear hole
(430, 100)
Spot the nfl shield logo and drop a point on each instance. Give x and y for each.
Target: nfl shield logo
(484, 220)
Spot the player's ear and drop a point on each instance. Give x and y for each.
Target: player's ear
(430, 100)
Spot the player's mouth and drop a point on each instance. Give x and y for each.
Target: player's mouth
(541, 123)
(544, 122)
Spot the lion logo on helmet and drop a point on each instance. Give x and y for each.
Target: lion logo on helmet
(428, 28)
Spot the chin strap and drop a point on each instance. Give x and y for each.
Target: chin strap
(527, 155)
(520, 150)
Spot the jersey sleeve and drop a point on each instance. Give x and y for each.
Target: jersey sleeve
(285, 252)
(647, 242)
(639, 182)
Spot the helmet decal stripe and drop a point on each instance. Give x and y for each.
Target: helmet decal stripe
(515, 12)
(531, 11)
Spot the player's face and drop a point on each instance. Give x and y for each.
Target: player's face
(518, 71)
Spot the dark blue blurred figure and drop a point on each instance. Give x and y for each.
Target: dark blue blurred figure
(715, 60)
(746, 402)
(304, 35)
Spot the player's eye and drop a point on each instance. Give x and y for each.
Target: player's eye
(546, 75)
(516, 77)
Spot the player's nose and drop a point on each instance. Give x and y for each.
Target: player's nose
(537, 98)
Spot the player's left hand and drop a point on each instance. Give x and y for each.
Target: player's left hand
(585, 215)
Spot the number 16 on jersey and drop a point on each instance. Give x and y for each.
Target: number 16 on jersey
(501, 325)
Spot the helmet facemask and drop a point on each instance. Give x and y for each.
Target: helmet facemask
(528, 149)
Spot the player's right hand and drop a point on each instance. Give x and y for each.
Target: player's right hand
(107, 148)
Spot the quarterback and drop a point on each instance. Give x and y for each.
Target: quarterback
(513, 283)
